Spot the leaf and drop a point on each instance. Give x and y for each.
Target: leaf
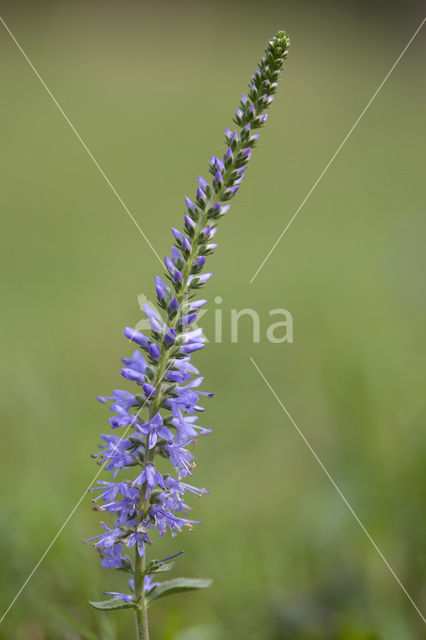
(156, 567)
(112, 605)
(176, 586)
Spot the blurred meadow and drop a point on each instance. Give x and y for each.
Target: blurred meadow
(150, 88)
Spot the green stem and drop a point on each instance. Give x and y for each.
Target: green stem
(141, 610)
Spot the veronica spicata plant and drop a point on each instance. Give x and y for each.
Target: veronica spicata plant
(159, 417)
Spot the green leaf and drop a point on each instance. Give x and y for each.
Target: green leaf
(112, 605)
(176, 586)
(156, 567)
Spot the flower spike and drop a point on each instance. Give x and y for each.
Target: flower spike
(160, 417)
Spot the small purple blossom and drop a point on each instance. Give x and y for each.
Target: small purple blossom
(150, 477)
(138, 538)
(201, 196)
(180, 458)
(173, 305)
(155, 429)
(169, 337)
(154, 351)
(136, 363)
(149, 390)
(203, 184)
(107, 539)
(120, 398)
(148, 584)
(136, 336)
(119, 596)
(153, 317)
(121, 419)
(112, 557)
(177, 277)
(190, 205)
(131, 374)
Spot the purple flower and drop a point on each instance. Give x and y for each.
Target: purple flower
(173, 305)
(180, 458)
(148, 584)
(187, 429)
(139, 538)
(177, 277)
(185, 401)
(153, 317)
(170, 266)
(203, 184)
(201, 196)
(190, 348)
(177, 486)
(112, 557)
(136, 363)
(119, 596)
(198, 304)
(177, 234)
(177, 376)
(169, 337)
(202, 279)
(136, 336)
(154, 351)
(133, 375)
(110, 490)
(177, 258)
(150, 477)
(218, 177)
(155, 429)
(120, 398)
(125, 508)
(149, 390)
(107, 539)
(164, 519)
(186, 246)
(232, 190)
(186, 321)
(190, 205)
(161, 293)
(189, 223)
(116, 453)
(121, 419)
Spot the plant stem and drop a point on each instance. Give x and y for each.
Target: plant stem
(141, 611)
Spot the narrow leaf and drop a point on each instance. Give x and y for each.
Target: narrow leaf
(113, 604)
(176, 586)
(156, 567)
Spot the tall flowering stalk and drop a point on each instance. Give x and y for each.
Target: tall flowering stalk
(160, 418)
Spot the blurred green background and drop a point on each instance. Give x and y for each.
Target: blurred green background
(150, 89)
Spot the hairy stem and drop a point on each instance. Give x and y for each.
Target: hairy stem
(141, 610)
